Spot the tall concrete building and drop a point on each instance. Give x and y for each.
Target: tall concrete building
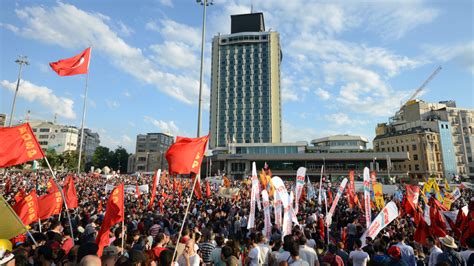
(90, 143)
(453, 126)
(245, 84)
(150, 151)
(61, 138)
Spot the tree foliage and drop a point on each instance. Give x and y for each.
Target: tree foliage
(116, 160)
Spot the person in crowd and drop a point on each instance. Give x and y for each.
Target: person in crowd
(468, 254)
(395, 256)
(331, 256)
(189, 256)
(407, 252)
(306, 253)
(449, 254)
(358, 257)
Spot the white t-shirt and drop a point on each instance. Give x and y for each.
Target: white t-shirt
(359, 258)
(264, 252)
(194, 260)
(466, 253)
(311, 243)
(308, 254)
(283, 256)
(253, 255)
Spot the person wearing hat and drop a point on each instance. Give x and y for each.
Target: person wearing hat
(449, 255)
(395, 256)
(6, 255)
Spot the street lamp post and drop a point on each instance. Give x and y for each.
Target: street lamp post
(204, 3)
(22, 60)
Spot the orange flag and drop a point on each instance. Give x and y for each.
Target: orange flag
(20, 195)
(208, 190)
(51, 186)
(49, 205)
(18, 145)
(27, 208)
(75, 65)
(186, 154)
(70, 194)
(153, 190)
(114, 213)
(197, 187)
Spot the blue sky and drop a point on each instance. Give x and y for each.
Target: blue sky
(346, 65)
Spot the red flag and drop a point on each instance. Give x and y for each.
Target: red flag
(99, 209)
(329, 197)
(49, 205)
(18, 145)
(321, 227)
(20, 195)
(208, 190)
(70, 194)
(197, 187)
(422, 229)
(8, 185)
(75, 65)
(180, 188)
(438, 222)
(114, 213)
(186, 154)
(153, 190)
(412, 196)
(137, 191)
(51, 186)
(27, 208)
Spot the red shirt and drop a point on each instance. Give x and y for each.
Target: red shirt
(333, 260)
(157, 251)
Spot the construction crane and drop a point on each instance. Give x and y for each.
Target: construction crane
(399, 114)
(428, 80)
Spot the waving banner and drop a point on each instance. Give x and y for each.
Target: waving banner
(277, 204)
(378, 193)
(285, 200)
(266, 212)
(320, 185)
(253, 197)
(311, 192)
(385, 217)
(300, 176)
(342, 186)
(367, 196)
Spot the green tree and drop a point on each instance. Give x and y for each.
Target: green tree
(101, 157)
(120, 159)
(54, 159)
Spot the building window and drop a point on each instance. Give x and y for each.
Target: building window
(413, 147)
(44, 129)
(415, 157)
(409, 167)
(417, 167)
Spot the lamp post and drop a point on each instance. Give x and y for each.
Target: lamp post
(204, 3)
(22, 60)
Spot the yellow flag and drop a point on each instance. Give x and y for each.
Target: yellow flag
(11, 225)
(378, 193)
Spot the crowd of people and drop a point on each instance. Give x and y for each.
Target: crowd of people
(215, 231)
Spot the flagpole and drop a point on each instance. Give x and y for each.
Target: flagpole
(83, 116)
(185, 215)
(123, 221)
(62, 195)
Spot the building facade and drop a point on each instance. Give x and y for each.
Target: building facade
(150, 151)
(245, 84)
(339, 143)
(423, 148)
(60, 138)
(3, 120)
(235, 160)
(454, 127)
(90, 143)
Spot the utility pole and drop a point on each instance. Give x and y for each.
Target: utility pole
(22, 60)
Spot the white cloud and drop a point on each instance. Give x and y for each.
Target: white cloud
(322, 94)
(126, 94)
(124, 29)
(112, 104)
(69, 27)
(61, 106)
(288, 95)
(175, 55)
(461, 54)
(166, 3)
(292, 132)
(394, 19)
(172, 30)
(343, 119)
(166, 127)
